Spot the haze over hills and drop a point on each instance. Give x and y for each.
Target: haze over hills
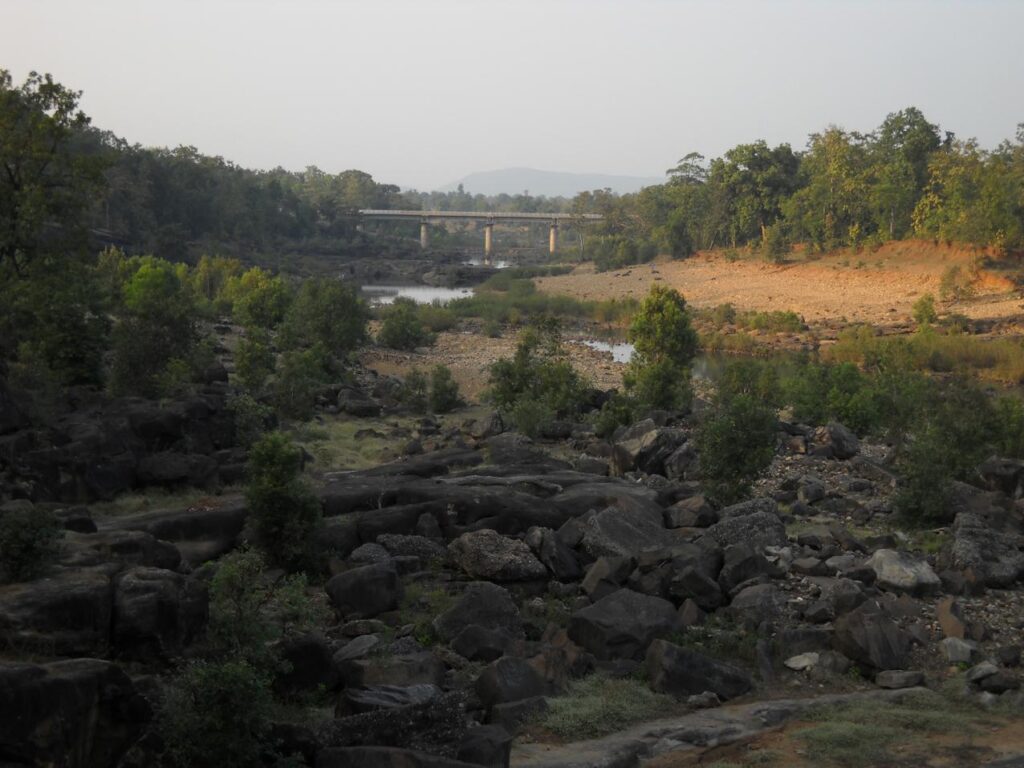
(513, 181)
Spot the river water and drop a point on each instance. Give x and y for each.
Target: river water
(421, 294)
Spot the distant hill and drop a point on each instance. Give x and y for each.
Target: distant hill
(513, 181)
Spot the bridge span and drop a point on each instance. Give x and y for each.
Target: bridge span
(489, 219)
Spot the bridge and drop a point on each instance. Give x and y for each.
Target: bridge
(489, 219)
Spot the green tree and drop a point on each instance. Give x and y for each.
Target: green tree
(29, 542)
(254, 359)
(43, 180)
(735, 444)
(157, 326)
(444, 390)
(285, 511)
(401, 327)
(259, 299)
(923, 311)
(327, 312)
(661, 328)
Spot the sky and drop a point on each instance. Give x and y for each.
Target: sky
(422, 92)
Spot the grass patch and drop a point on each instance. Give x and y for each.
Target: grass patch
(719, 638)
(421, 603)
(155, 499)
(598, 705)
(333, 443)
(509, 300)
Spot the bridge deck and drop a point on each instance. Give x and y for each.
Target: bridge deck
(478, 216)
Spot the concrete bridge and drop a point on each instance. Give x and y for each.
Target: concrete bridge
(489, 219)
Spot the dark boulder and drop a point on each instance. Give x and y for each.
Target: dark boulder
(509, 679)
(170, 469)
(157, 613)
(615, 531)
(554, 553)
(386, 697)
(308, 665)
(681, 672)
(758, 530)
(622, 624)
(420, 668)
(869, 637)
(486, 745)
(480, 604)
(367, 591)
(80, 713)
(486, 554)
(383, 757)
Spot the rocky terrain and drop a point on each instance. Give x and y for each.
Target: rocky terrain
(475, 580)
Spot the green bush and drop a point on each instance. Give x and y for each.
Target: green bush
(157, 326)
(753, 378)
(254, 359)
(923, 310)
(735, 444)
(300, 377)
(259, 299)
(285, 512)
(252, 418)
(530, 416)
(436, 318)
(29, 542)
(661, 328)
(538, 372)
(216, 714)
(326, 312)
(661, 384)
(402, 328)
(444, 390)
(617, 411)
(250, 609)
(598, 705)
(414, 391)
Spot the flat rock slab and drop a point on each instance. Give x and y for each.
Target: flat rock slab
(688, 732)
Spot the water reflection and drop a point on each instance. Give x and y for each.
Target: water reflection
(421, 294)
(479, 261)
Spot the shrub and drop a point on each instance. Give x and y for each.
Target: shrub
(252, 418)
(254, 359)
(530, 416)
(955, 285)
(753, 378)
(598, 705)
(216, 714)
(326, 312)
(539, 373)
(29, 541)
(444, 390)
(436, 318)
(616, 412)
(401, 327)
(414, 391)
(259, 299)
(250, 609)
(285, 513)
(661, 384)
(923, 310)
(775, 244)
(299, 379)
(735, 444)
(661, 328)
(157, 326)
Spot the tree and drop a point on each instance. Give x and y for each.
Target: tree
(401, 327)
(661, 328)
(444, 390)
(285, 511)
(157, 327)
(44, 184)
(735, 444)
(328, 312)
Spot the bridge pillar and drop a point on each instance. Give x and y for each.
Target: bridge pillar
(424, 235)
(488, 240)
(553, 237)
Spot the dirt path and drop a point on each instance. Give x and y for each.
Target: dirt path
(876, 288)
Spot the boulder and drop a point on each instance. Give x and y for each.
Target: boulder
(749, 507)
(172, 469)
(622, 624)
(990, 546)
(869, 637)
(901, 572)
(399, 545)
(681, 673)
(478, 643)
(309, 664)
(486, 554)
(481, 604)
(606, 575)
(694, 512)
(356, 403)
(404, 669)
(835, 441)
(486, 745)
(554, 553)
(615, 531)
(950, 617)
(66, 614)
(130, 548)
(157, 613)
(509, 679)
(386, 697)
(1003, 475)
(368, 590)
(80, 713)
(758, 530)
(383, 757)
(740, 564)
(895, 679)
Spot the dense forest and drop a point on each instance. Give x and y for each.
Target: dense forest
(905, 179)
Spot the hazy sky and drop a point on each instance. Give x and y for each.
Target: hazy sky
(422, 92)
